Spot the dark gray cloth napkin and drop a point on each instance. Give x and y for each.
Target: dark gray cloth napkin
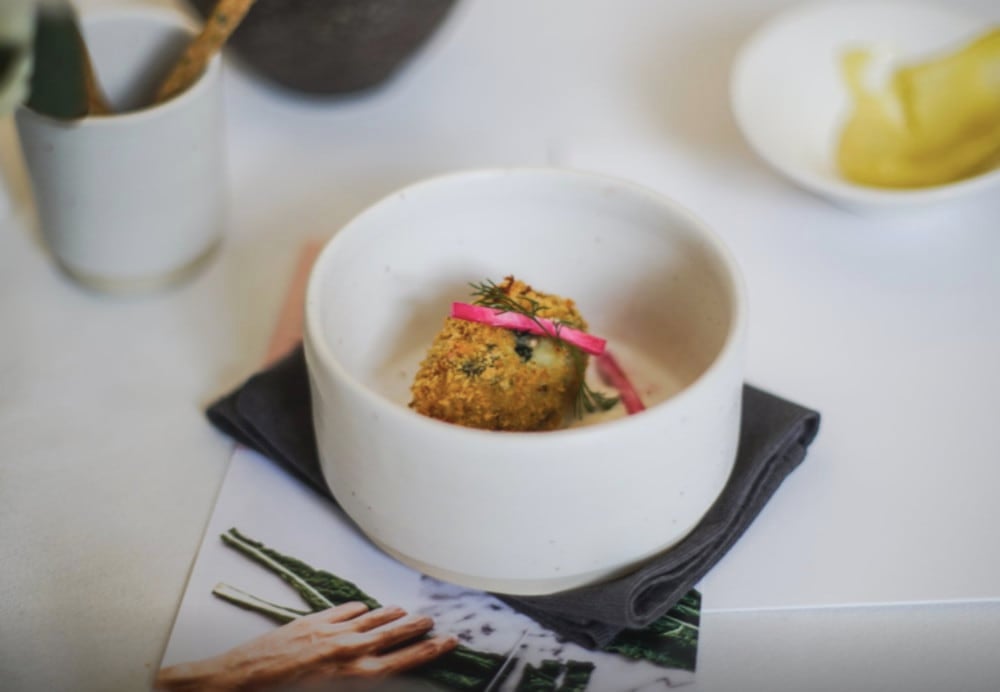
(272, 413)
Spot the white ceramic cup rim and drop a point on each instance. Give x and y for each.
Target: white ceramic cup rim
(318, 346)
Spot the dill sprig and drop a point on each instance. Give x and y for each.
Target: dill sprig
(490, 295)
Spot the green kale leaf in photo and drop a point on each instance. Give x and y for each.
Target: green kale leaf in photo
(555, 676)
(671, 641)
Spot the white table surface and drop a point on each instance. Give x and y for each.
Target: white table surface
(889, 326)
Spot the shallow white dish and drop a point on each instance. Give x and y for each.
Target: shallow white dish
(790, 102)
(526, 512)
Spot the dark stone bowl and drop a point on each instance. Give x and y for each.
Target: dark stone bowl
(331, 46)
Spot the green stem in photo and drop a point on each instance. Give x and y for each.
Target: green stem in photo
(280, 614)
(318, 588)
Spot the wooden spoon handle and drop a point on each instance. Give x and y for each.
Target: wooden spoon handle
(224, 19)
(97, 103)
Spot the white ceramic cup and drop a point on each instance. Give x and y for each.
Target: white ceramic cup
(135, 200)
(526, 512)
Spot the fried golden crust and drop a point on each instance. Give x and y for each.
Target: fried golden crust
(494, 378)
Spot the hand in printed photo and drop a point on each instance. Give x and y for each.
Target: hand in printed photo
(345, 641)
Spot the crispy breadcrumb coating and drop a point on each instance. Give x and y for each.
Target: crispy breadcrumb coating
(498, 379)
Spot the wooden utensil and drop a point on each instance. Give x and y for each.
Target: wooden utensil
(224, 19)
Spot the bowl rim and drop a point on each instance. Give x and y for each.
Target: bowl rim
(732, 349)
(827, 186)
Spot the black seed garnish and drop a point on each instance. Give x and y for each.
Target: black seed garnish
(524, 345)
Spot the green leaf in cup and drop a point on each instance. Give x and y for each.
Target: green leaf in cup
(63, 84)
(58, 88)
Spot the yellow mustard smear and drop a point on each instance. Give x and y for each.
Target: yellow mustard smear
(933, 122)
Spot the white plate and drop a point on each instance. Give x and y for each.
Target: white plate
(789, 99)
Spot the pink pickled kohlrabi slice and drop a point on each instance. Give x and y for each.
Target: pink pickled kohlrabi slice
(613, 376)
(588, 343)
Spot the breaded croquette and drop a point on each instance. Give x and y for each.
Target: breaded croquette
(489, 377)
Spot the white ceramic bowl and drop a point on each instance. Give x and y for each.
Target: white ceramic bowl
(789, 99)
(526, 512)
